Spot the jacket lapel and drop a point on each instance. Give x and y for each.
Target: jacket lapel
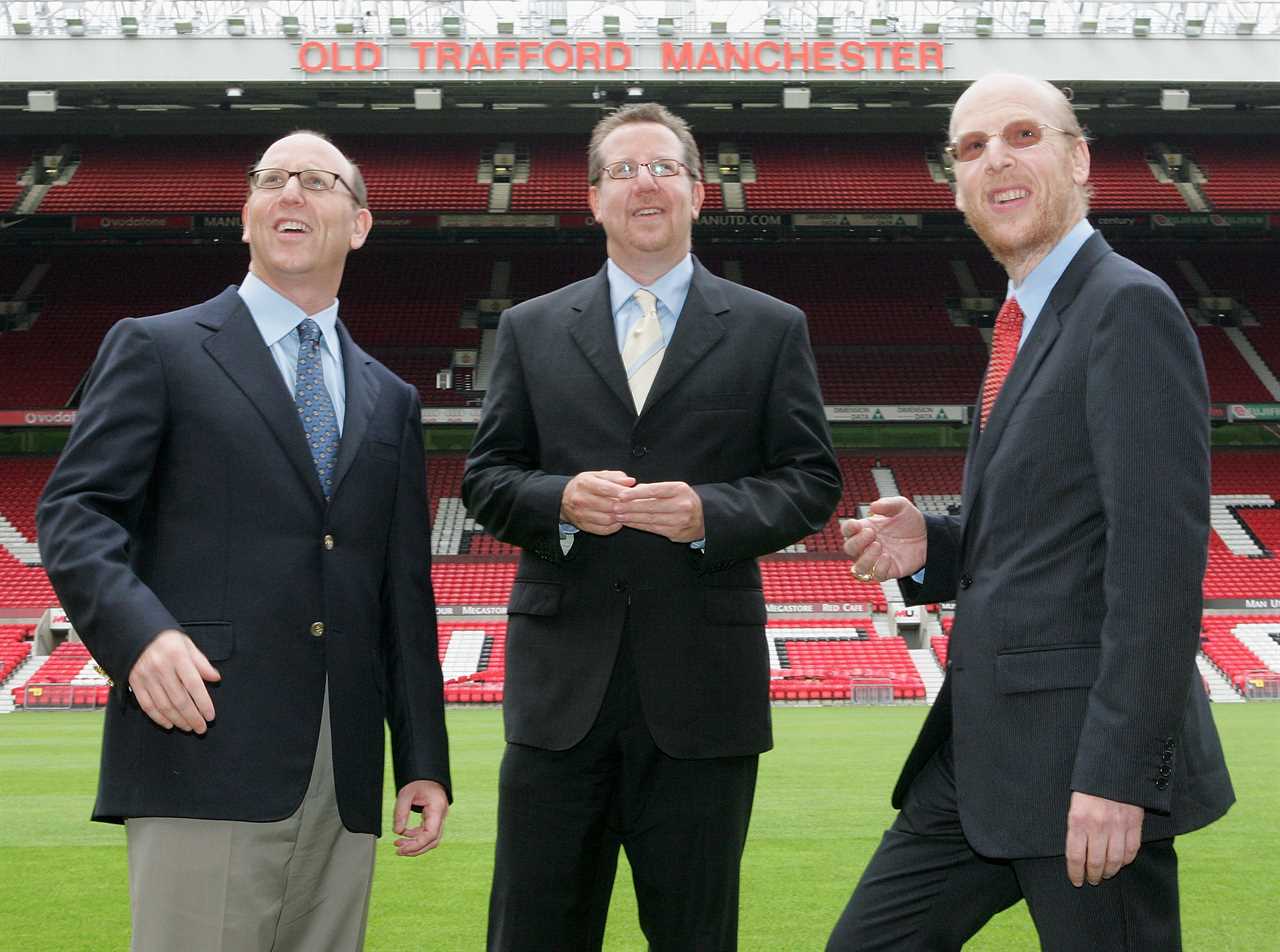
(591, 327)
(1038, 344)
(237, 347)
(363, 388)
(697, 330)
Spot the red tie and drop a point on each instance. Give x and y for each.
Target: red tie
(1004, 350)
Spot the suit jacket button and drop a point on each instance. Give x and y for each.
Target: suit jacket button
(1165, 770)
(619, 585)
(1162, 783)
(317, 628)
(328, 542)
(638, 450)
(966, 580)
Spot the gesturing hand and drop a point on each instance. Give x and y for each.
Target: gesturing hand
(435, 805)
(890, 543)
(1102, 836)
(671, 510)
(168, 679)
(589, 498)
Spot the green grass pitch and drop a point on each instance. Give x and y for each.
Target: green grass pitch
(821, 804)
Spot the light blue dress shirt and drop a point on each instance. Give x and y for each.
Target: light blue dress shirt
(1036, 287)
(671, 290)
(277, 319)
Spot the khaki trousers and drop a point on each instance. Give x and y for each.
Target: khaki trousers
(291, 885)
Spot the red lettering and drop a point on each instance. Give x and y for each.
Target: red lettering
(589, 56)
(307, 62)
(931, 56)
(673, 59)
(790, 57)
(768, 46)
(851, 52)
(335, 54)
(823, 52)
(617, 56)
(479, 58)
(881, 47)
(903, 56)
(449, 55)
(708, 59)
(737, 56)
(423, 47)
(504, 51)
(530, 52)
(558, 47)
(368, 56)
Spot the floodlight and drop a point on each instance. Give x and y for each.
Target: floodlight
(1194, 27)
(611, 26)
(879, 26)
(289, 26)
(129, 26)
(506, 28)
(826, 26)
(427, 99)
(183, 27)
(398, 26)
(1035, 26)
(22, 27)
(75, 26)
(931, 28)
(1245, 27)
(772, 26)
(1175, 99)
(236, 27)
(719, 27)
(42, 100)
(984, 25)
(451, 26)
(1142, 26)
(1089, 26)
(666, 26)
(635, 92)
(344, 27)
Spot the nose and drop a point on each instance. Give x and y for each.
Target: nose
(998, 154)
(292, 191)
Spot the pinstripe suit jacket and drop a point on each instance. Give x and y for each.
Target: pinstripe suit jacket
(1076, 568)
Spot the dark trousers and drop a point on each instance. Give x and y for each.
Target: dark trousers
(562, 815)
(926, 890)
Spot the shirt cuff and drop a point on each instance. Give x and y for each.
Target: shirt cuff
(918, 577)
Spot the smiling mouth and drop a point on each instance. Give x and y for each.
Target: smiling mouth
(1010, 195)
(291, 227)
(646, 213)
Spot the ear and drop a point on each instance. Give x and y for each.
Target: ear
(699, 194)
(360, 228)
(244, 222)
(1080, 162)
(593, 201)
(959, 194)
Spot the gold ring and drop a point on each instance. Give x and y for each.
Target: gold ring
(863, 576)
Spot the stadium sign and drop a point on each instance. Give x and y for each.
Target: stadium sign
(1253, 412)
(897, 414)
(1210, 221)
(1244, 604)
(858, 220)
(818, 608)
(763, 57)
(37, 417)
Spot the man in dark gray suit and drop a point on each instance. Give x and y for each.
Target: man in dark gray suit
(1071, 740)
(648, 433)
(238, 529)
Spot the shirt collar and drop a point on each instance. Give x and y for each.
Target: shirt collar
(671, 289)
(277, 317)
(1037, 286)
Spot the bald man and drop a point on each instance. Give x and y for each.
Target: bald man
(238, 530)
(1071, 740)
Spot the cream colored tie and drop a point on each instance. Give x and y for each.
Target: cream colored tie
(642, 353)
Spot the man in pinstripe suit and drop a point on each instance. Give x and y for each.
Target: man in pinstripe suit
(1071, 740)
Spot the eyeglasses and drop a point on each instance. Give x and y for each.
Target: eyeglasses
(313, 180)
(658, 168)
(1019, 134)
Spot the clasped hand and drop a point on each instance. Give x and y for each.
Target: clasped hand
(603, 501)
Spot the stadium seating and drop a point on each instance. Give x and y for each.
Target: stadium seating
(832, 173)
(66, 679)
(1247, 673)
(12, 654)
(1122, 181)
(1243, 173)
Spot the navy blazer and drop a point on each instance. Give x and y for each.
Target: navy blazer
(1076, 569)
(187, 498)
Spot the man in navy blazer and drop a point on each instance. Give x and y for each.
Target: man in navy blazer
(1072, 739)
(647, 434)
(238, 529)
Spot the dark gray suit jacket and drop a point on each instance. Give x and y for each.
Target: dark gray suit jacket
(735, 412)
(187, 498)
(1076, 569)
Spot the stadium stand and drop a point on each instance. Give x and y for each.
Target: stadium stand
(14, 160)
(1122, 181)
(66, 679)
(1243, 173)
(1247, 673)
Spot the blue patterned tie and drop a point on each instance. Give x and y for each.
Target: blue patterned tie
(315, 406)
